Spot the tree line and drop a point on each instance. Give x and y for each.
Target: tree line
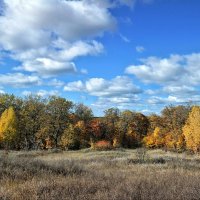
(34, 122)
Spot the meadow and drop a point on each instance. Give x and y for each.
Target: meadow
(101, 175)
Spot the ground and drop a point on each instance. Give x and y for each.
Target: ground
(100, 175)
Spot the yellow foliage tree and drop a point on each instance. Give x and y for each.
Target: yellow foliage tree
(180, 144)
(8, 126)
(70, 138)
(172, 142)
(191, 130)
(154, 140)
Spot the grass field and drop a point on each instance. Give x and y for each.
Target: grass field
(103, 175)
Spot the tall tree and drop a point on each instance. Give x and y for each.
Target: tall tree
(174, 119)
(30, 120)
(70, 138)
(56, 117)
(96, 130)
(191, 130)
(140, 124)
(7, 101)
(83, 113)
(82, 132)
(111, 118)
(8, 127)
(131, 128)
(123, 128)
(154, 122)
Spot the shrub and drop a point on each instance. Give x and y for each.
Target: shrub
(102, 145)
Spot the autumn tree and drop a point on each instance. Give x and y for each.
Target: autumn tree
(154, 122)
(30, 121)
(131, 128)
(83, 113)
(70, 138)
(35, 122)
(96, 130)
(137, 129)
(55, 118)
(8, 127)
(155, 139)
(175, 116)
(81, 119)
(121, 137)
(191, 130)
(83, 134)
(174, 141)
(174, 119)
(7, 101)
(111, 118)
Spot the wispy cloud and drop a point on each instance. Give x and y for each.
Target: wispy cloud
(124, 38)
(140, 49)
(42, 93)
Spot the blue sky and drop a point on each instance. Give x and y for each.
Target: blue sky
(132, 54)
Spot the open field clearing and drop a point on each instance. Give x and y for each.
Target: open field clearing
(121, 174)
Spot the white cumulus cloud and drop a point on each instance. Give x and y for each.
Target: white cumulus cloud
(119, 91)
(48, 67)
(175, 70)
(46, 36)
(19, 80)
(117, 87)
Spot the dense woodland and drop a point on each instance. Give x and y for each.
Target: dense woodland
(54, 122)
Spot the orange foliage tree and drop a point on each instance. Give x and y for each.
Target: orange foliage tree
(96, 130)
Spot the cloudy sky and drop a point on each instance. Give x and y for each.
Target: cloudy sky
(131, 54)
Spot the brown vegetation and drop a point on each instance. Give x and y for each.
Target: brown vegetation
(116, 175)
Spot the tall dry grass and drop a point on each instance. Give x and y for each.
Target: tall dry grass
(110, 175)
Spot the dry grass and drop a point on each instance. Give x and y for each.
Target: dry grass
(109, 175)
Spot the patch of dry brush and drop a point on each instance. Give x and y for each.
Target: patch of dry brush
(115, 175)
